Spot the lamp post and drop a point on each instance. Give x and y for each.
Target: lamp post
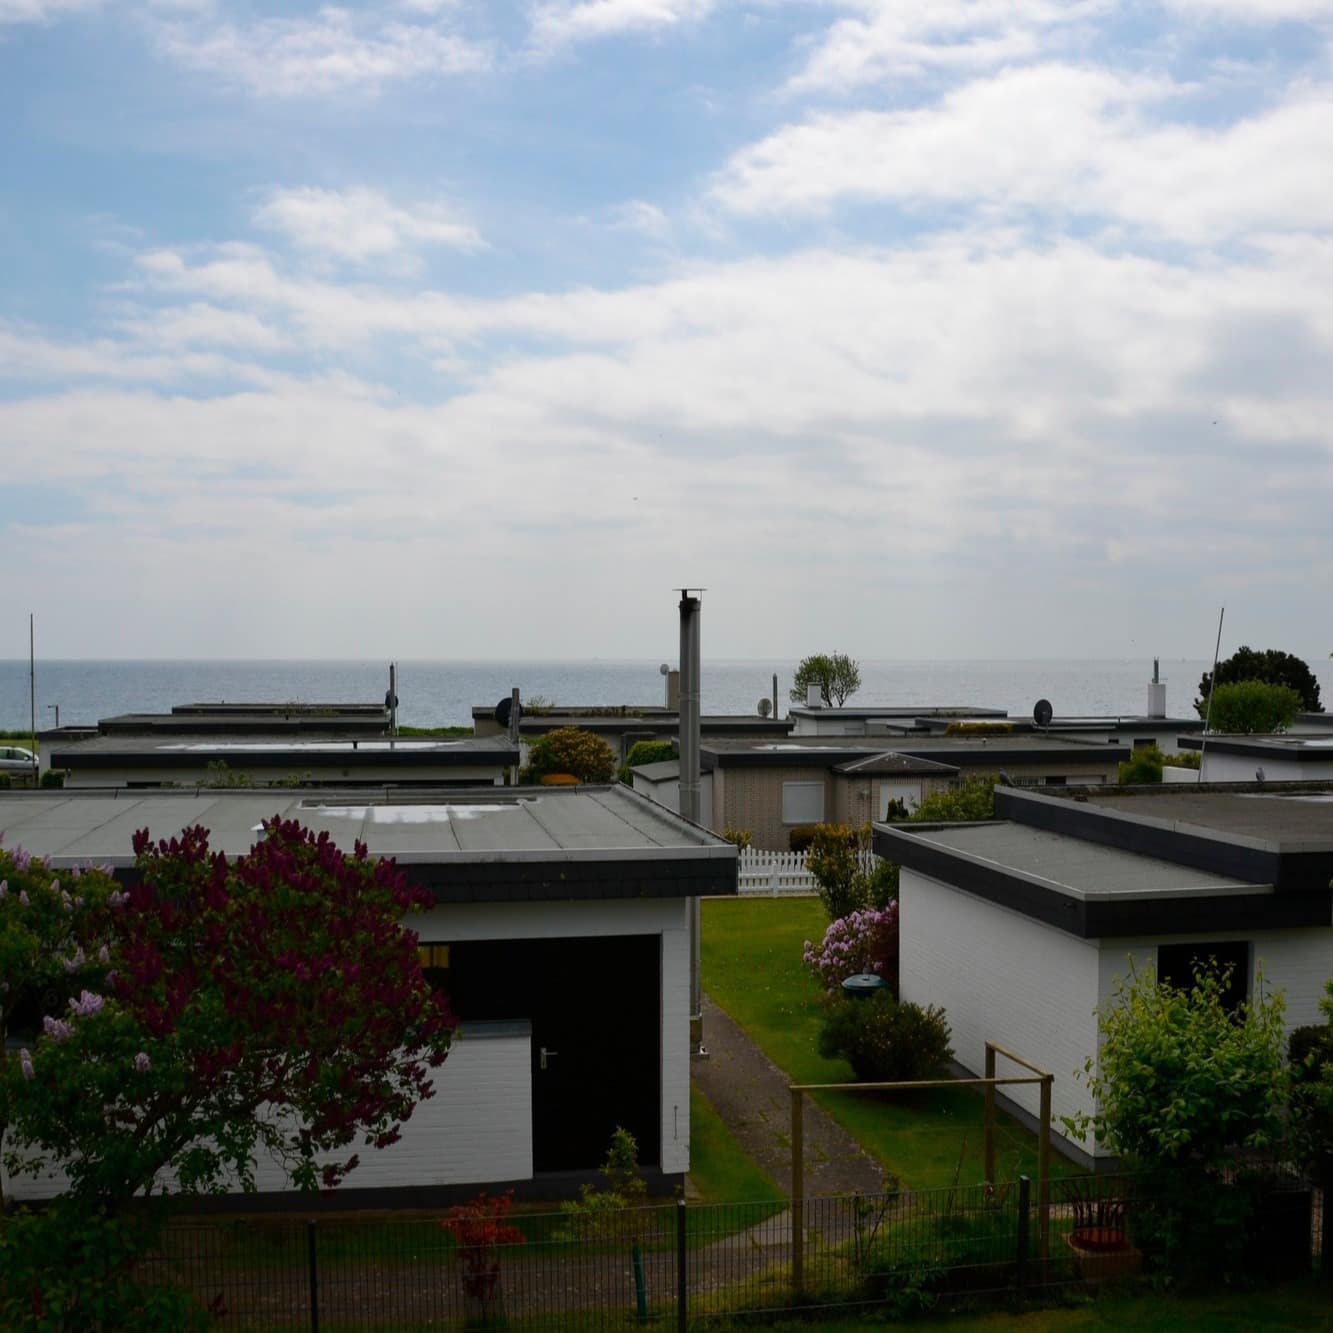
(56, 707)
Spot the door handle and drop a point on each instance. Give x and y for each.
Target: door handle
(544, 1053)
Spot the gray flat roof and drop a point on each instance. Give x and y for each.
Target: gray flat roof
(1295, 818)
(242, 745)
(510, 844)
(1078, 869)
(863, 711)
(491, 823)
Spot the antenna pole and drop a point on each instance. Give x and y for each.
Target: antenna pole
(1212, 685)
(32, 695)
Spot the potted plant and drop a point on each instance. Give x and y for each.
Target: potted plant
(479, 1229)
(1101, 1248)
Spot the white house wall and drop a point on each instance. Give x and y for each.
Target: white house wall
(1001, 977)
(1219, 767)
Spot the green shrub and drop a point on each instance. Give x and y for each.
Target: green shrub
(650, 752)
(6, 780)
(53, 777)
(885, 1041)
(834, 858)
(1143, 765)
(979, 729)
(800, 837)
(570, 750)
(1252, 706)
(739, 837)
(1185, 759)
(973, 799)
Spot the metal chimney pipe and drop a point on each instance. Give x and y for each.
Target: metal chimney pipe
(689, 706)
(690, 801)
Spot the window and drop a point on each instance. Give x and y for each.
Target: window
(802, 802)
(1176, 964)
(1055, 781)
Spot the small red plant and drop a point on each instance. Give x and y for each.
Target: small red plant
(479, 1229)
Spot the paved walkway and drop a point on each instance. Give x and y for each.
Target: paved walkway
(751, 1095)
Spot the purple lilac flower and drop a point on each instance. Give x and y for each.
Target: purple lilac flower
(23, 897)
(25, 1062)
(56, 1028)
(104, 954)
(4, 889)
(76, 962)
(142, 1062)
(87, 1004)
(117, 899)
(21, 858)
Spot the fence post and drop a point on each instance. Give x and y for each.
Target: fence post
(682, 1277)
(797, 1192)
(312, 1271)
(1024, 1215)
(1044, 1171)
(989, 1129)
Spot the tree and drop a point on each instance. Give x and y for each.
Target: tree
(1182, 1078)
(270, 1003)
(1272, 667)
(570, 750)
(835, 673)
(1251, 706)
(835, 860)
(1144, 765)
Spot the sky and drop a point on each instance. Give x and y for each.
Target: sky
(468, 328)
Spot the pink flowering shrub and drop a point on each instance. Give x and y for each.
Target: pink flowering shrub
(862, 941)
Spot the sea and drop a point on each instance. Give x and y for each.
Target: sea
(435, 693)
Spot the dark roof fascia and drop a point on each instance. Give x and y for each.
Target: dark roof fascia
(1084, 916)
(193, 760)
(814, 756)
(559, 877)
(1001, 750)
(1270, 747)
(1201, 848)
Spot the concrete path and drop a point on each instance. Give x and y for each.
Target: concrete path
(751, 1095)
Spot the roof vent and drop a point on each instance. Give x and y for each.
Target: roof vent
(813, 698)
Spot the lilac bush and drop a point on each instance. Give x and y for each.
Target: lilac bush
(862, 941)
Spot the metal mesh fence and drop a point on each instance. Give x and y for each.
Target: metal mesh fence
(678, 1266)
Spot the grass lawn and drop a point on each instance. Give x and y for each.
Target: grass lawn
(720, 1169)
(752, 967)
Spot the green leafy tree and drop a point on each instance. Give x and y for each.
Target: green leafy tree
(973, 799)
(1182, 1078)
(1310, 1055)
(1251, 706)
(837, 676)
(570, 750)
(1271, 666)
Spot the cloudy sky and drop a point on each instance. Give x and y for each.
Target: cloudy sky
(467, 328)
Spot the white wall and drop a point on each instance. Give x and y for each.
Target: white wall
(1218, 767)
(1001, 977)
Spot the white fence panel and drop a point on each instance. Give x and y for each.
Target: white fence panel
(782, 874)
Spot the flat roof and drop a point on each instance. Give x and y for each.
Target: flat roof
(492, 843)
(1079, 869)
(266, 750)
(950, 711)
(1276, 817)
(1303, 749)
(997, 750)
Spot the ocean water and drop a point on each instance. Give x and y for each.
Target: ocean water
(443, 693)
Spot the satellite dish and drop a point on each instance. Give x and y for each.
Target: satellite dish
(503, 710)
(390, 699)
(765, 707)
(1042, 713)
(665, 670)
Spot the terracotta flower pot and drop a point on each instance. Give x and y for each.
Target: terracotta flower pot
(1102, 1253)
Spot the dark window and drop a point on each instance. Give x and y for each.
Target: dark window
(1177, 964)
(1056, 781)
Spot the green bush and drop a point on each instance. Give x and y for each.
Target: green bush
(1185, 759)
(6, 780)
(53, 777)
(1143, 765)
(570, 750)
(800, 837)
(979, 729)
(834, 858)
(973, 799)
(650, 752)
(886, 1041)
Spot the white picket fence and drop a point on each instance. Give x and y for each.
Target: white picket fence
(782, 874)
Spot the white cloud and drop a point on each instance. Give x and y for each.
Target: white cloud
(582, 20)
(361, 224)
(1065, 140)
(910, 37)
(334, 50)
(1255, 12)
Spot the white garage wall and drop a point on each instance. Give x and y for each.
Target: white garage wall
(1001, 977)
